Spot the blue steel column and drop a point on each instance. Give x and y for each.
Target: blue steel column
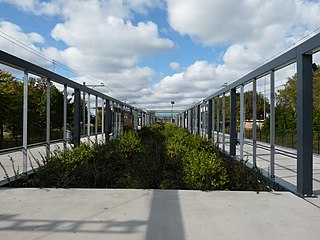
(77, 99)
(304, 121)
(25, 123)
(233, 122)
(210, 119)
(48, 120)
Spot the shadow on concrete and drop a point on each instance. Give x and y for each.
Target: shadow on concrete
(14, 223)
(165, 219)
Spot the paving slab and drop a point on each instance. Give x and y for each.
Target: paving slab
(155, 214)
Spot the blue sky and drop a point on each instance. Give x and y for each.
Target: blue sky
(153, 51)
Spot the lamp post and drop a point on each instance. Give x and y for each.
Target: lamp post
(172, 103)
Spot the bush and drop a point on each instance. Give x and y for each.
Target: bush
(84, 166)
(203, 170)
(160, 156)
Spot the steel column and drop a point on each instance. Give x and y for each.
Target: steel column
(213, 119)
(48, 127)
(233, 122)
(241, 121)
(224, 121)
(102, 120)
(218, 121)
(199, 119)
(96, 120)
(83, 112)
(108, 120)
(25, 124)
(254, 122)
(65, 112)
(304, 121)
(272, 123)
(210, 119)
(77, 127)
(88, 120)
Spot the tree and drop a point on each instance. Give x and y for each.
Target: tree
(11, 97)
(286, 104)
(11, 107)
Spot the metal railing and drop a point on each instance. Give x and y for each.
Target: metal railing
(113, 111)
(208, 117)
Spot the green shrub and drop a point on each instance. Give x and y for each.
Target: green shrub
(204, 170)
(160, 156)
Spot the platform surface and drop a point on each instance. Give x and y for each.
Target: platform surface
(155, 214)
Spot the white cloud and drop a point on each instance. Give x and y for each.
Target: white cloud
(175, 66)
(25, 47)
(220, 22)
(253, 31)
(36, 7)
(104, 43)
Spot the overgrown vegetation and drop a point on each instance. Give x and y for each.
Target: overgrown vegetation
(160, 156)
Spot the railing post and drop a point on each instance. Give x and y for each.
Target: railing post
(213, 120)
(89, 120)
(189, 120)
(102, 120)
(241, 121)
(233, 122)
(25, 124)
(84, 111)
(48, 120)
(218, 121)
(77, 127)
(304, 122)
(272, 123)
(254, 122)
(224, 121)
(108, 120)
(96, 120)
(65, 112)
(210, 119)
(198, 119)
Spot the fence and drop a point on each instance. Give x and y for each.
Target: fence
(114, 112)
(208, 117)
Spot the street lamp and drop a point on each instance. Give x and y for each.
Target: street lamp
(172, 103)
(93, 85)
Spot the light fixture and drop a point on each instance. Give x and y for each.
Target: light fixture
(314, 67)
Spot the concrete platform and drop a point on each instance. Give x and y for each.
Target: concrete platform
(155, 214)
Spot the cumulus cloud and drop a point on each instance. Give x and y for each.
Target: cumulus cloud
(104, 42)
(221, 22)
(253, 31)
